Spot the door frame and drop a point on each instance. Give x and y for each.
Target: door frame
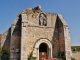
(37, 44)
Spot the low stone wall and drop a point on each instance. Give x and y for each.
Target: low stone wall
(76, 55)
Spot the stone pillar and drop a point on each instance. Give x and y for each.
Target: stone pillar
(51, 52)
(67, 42)
(24, 50)
(37, 53)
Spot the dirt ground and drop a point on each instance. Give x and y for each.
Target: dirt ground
(76, 55)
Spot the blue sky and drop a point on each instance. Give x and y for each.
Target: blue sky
(70, 9)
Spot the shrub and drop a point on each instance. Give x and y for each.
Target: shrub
(61, 56)
(30, 57)
(5, 51)
(73, 59)
(59, 59)
(0, 50)
(4, 54)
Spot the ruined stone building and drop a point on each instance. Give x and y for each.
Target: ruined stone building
(0, 39)
(44, 33)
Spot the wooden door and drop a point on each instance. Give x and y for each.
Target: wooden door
(42, 55)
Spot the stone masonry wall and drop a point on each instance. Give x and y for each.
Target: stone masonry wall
(61, 36)
(55, 40)
(58, 39)
(15, 39)
(53, 31)
(36, 32)
(68, 52)
(5, 42)
(0, 38)
(24, 38)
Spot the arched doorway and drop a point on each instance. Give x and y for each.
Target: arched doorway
(43, 51)
(43, 45)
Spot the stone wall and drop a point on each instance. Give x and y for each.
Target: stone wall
(67, 45)
(36, 32)
(15, 39)
(53, 31)
(58, 38)
(24, 38)
(55, 40)
(5, 42)
(0, 38)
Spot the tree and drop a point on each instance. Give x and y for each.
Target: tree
(0, 50)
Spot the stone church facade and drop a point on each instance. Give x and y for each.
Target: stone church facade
(42, 33)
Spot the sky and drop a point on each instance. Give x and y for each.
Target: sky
(70, 9)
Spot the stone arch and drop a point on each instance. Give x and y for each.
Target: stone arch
(43, 41)
(42, 19)
(37, 44)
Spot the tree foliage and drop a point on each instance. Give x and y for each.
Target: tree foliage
(75, 48)
(5, 51)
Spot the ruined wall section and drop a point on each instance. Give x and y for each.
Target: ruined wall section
(66, 38)
(0, 38)
(5, 41)
(15, 39)
(55, 40)
(61, 36)
(36, 31)
(58, 38)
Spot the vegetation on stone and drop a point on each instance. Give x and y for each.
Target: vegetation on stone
(4, 53)
(30, 56)
(73, 59)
